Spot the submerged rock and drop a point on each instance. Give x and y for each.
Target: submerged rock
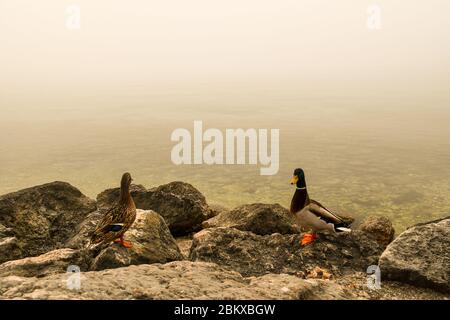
(420, 256)
(175, 280)
(254, 255)
(258, 218)
(380, 228)
(152, 243)
(181, 205)
(41, 218)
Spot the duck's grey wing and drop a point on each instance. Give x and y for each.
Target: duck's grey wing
(323, 213)
(309, 220)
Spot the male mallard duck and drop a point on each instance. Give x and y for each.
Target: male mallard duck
(118, 219)
(310, 214)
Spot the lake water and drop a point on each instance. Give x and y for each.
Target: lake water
(361, 156)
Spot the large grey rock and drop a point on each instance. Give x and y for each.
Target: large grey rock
(420, 256)
(56, 261)
(258, 218)
(254, 255)
(175, 280)
(41, 218)
(84, 230)
(380, 228)
(152, 243)
(181, 205)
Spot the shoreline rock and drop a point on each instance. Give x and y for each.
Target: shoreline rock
(255, 255)
(53, 262)
(380, 228)
(42, 218)
(259, 218)
(420, 256)
(152, 243)
(174, 280)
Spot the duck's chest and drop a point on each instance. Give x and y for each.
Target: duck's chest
(130, 215)
(126, 213)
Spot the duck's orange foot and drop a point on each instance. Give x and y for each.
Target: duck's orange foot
(127, 244)
(308, 238)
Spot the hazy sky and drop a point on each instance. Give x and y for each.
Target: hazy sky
(146, 47)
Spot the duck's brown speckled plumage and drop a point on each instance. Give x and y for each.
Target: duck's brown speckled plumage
(119, 218)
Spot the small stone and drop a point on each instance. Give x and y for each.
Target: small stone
(380, 228)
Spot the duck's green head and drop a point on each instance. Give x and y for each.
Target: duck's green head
(299, 178)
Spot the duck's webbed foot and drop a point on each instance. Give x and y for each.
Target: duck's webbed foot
(308, 238)
(126, 244)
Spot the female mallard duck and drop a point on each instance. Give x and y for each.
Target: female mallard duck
(118, 219)
(310, 214)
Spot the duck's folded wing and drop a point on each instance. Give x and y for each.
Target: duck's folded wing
(114, 227)
(323, 213)
(109, 222)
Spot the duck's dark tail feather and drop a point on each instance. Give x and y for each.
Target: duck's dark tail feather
(344, 225)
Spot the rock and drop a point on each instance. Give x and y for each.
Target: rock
(175, 280)
(217, 209)
(41, 218)
(84, 231)
(56, 261)
(151, 238)
(5, 232)
(182, 206)
(9, 247)
(152, 243)
(380, 228)
(184, 243)
(420, 256)
(255, 255)
(258, 218)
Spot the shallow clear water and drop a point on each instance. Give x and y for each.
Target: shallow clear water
(359, 158)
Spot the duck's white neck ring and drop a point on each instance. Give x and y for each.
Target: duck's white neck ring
(300, 188)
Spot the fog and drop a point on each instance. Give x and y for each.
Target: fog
(364, 112)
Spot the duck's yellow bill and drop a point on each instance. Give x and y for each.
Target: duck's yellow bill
(294, 180)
